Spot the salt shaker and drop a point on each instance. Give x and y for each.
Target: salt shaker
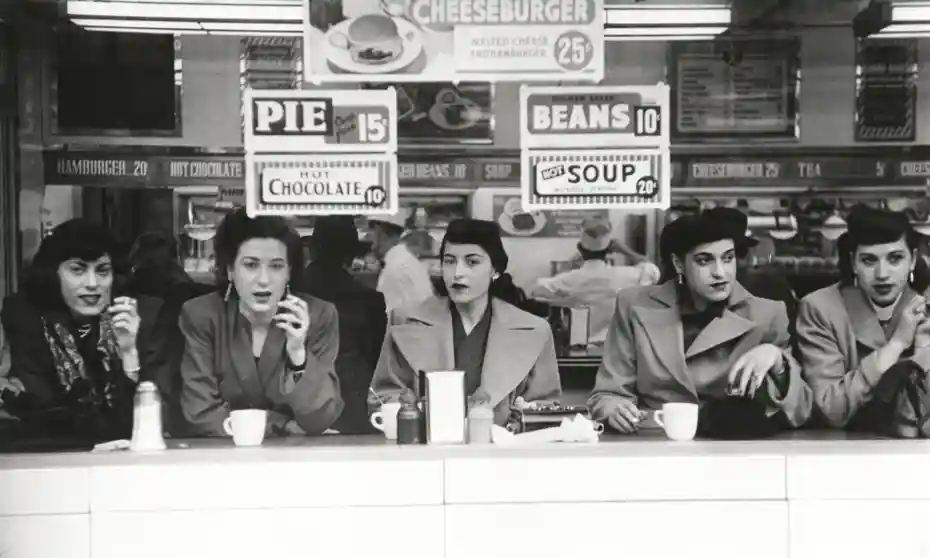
(146, 419)
(480, 418)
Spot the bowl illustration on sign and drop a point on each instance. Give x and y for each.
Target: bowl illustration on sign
(373, 43)
(452, 111)
(514, 221)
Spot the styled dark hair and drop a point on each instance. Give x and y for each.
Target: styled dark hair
(868, 226)
(77, 238)
(237, 227)
(691, 230)
(487, 235)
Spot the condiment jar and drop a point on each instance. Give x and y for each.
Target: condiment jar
(409, 420)
(146, 419)
(480, 418)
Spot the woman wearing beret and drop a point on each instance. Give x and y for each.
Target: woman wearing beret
(699, 337)
(255, 344)
(503, 350)
(865, 341)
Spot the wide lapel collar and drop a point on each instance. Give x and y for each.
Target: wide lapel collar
(239, 344)
(662, 324)
(272, 358)
(864, 320)
(425, 338)
(730, 325)
(514, 344)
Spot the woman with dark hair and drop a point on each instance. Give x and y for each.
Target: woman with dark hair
(503, 350)
(864, 342)
(700, 337)
(256, 344)
(77, 347)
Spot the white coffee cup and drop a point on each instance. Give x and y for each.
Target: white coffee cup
(385, 420)
(679, 420)
(247, 426)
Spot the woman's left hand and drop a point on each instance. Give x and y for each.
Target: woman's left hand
(749, 371)
(125, 318)
(295, 321)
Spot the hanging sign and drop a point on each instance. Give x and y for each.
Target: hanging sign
(351, 41)
(321, 152)
(595, 147)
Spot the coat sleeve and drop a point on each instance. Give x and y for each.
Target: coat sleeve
(201, 402)
(838, 393)
(796, 402)
(543, 381)
(30, 360)
(393, 374)
(616, 377)
(315, 399)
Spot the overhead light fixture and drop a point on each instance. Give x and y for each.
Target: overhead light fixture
(669, 22)
(893, 19)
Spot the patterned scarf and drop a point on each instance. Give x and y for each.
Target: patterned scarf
(68, 360)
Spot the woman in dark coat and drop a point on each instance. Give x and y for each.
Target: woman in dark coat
(78, 348)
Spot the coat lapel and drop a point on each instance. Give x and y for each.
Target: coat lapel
(514, 344)
(729, 326)
(241, 360)
(865, 324)
(663, 328)
(425, 339)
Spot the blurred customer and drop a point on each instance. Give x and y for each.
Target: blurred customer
(403, 280)
(596, 284)
(502, 349)
(864, 342)
(701, 338)
(76, 345)
(361, 315)
(255, 344)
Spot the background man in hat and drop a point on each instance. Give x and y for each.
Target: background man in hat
(596, 283)
(404, 280)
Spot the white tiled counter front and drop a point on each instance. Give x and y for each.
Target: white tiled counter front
(802, 495)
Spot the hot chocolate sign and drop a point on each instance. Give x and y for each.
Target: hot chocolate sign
(321, 152)
(453, 40)
(595, 147)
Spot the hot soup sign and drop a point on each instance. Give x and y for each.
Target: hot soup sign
(595, 147)
(321, 152)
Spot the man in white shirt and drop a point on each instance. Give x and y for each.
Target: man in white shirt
(596, 284)
(403, 280)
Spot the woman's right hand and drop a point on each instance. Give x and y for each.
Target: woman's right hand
(913, 314)
(625, 418)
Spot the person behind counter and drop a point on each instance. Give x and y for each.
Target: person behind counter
(255, 344)
(502, 349)
(698, 337)
(361, 310)
(77, 348)
(596, 283)
(403, 279)
(864, 342)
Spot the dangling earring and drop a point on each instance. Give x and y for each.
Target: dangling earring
(911, 276)
(495, 277)
(228, 292)
(855, 280)
(287, 290)
(681, 279)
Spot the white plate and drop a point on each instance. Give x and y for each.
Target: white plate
(439, 119)
(507, 225)
(342, 58)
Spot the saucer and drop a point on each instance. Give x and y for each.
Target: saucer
(439, 119)
(507, 224)
(342, 58)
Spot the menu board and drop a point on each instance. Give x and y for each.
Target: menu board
(886, 90)
(735, 89)
(514, 221)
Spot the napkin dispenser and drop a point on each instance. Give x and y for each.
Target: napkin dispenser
(543, 414)
(444, 406)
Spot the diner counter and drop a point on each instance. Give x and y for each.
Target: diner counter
(801, 494)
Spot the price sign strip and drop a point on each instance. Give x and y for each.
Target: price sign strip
(657, 196)
(373, 196)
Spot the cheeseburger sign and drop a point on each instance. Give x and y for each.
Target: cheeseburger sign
(321, 152)
(455, 40)
(595, 147)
